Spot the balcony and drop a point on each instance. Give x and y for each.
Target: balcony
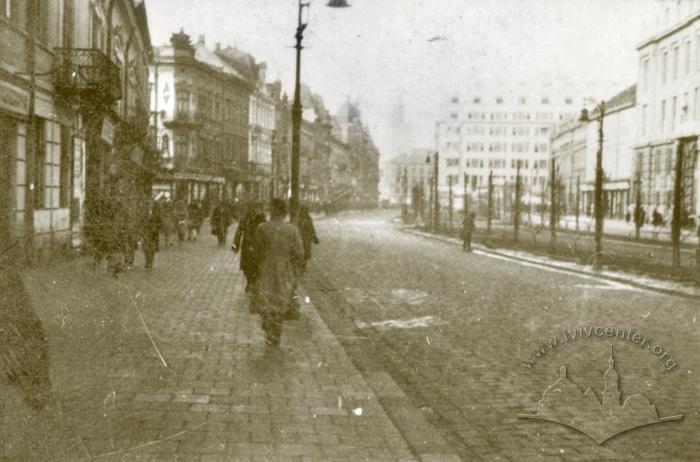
(185, 119)
(88, 76)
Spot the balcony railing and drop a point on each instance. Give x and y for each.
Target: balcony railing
(88, 75)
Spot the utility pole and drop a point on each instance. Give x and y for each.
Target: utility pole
(553, 204)
(489, 212)
(638, 206)
(404, 202)
(449, 181)
(578, 200)
(465, 205)
(436, 197)
(598, 204)
(430, 205)
(296, 116)
(516, 206)
(677, 205)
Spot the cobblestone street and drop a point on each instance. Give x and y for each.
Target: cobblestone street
(170, 365)
(456, 330)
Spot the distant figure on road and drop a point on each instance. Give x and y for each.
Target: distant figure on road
(468, 225)
(281, 256)
(150, 231)
(244, 240)
(308, 232)
(220, 221)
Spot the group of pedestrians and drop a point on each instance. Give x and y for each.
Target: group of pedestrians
(113, 230)
(274, 255)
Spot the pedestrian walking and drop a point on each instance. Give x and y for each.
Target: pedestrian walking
(220, 221)
(195, 212)
(468, 226)
(308, 233)
(244, 240)
(168, 226)
(150, 231)
(117, 236)
(181, 220)
(281, 255)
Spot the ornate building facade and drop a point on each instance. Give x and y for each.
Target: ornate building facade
(73, 107)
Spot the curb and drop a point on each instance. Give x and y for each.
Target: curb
(589, 273)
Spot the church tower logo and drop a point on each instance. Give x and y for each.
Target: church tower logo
(564, 403)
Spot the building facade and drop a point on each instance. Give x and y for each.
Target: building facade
(668, 110)
(410, 177)
(74, 110)
(496, 127)
(569, 147)
(619, 126)
(200, 110)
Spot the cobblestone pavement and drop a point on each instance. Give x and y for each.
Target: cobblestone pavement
(459, 328)
(169, 365)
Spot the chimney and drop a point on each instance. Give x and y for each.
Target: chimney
(217, 47)
(200, 40)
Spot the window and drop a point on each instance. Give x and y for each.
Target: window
(522, 100)
(477, 99)
(455, 100)
(40, 164)
(645, 74)
(664, 66)
(688, 45)
(673, 113)
(545, 100)
(499, 100)
(568, 100)
(65, 178)
(97, 32)
(453, 115)
(643, 125)
(696, 103)
(675, 62)
(662, 119)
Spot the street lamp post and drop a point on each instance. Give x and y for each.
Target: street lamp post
(296, 105)
(435, 195)
(598, 193)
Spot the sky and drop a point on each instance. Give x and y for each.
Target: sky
(420, 50)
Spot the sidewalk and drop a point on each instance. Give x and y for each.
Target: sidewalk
(656, 285)
(170, 365)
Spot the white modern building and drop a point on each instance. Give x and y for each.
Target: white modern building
(494, 127)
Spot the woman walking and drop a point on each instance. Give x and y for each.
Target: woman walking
(281, 254)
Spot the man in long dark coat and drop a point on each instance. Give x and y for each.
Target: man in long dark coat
(150, 232)
(281, 254)
(220, 221)
(244, 240)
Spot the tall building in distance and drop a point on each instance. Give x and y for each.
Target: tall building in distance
(494, 127)
(668, 109)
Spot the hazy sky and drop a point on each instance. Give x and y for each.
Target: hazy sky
(378, 49)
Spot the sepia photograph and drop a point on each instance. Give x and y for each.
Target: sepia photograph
(349, 230)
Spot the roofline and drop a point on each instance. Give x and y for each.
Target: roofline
(668, 32)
